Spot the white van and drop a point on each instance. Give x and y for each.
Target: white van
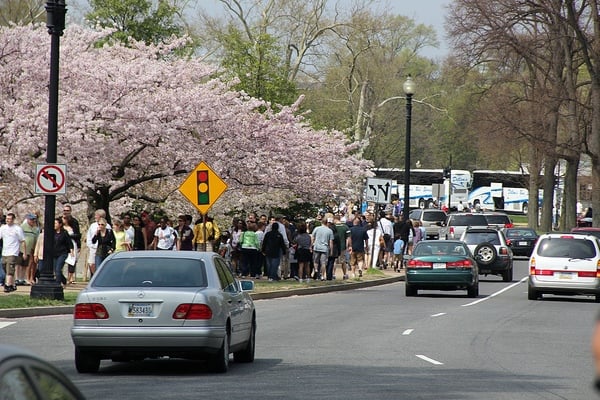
(565, 264)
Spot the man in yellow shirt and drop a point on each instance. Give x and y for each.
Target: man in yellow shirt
(204, 236)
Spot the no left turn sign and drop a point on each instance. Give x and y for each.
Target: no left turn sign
(50, 179)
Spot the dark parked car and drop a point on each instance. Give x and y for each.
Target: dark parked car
(587, 230)
(441, 265)
(24, 376)
(180, 304)
(521, 240)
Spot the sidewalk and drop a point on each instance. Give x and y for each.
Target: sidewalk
(390, 277)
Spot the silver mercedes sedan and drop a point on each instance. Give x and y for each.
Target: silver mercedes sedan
(178, 304)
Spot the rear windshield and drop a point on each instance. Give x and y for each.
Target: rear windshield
(468, 220)
(434, 216)
(520, 233)
(428, 247)
(566, 248)
(154, 272)
(482, 237)
(497, 219)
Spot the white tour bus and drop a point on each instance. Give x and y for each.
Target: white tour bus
(500, 190)
(422, 190)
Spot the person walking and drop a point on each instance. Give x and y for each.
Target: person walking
(357, 246)
(164, 236)
(92, 230)
(185, 234)
(13, 242)
(105, 242)
(303, 242)
(63, 247)
(31, 230)
(273, 246)
(250, 246)
(322, 246)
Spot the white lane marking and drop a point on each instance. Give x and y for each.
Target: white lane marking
(429, 360)
(5, 324)
(408, 332)
(438, 314)
(496, 293)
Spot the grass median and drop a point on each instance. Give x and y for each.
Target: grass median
(23, 300)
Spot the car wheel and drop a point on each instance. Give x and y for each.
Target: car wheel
(473, 291)
(220, 361)
(525, 208)
(507, 276)
(247, 355)
(533, 294)
(86, 362)
(410, 290)
(486, 253)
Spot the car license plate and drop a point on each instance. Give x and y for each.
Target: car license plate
(439, 265)
(522, 243)
(140, 310)
(565, 275)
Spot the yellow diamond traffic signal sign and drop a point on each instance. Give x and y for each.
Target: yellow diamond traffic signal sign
(202, 187)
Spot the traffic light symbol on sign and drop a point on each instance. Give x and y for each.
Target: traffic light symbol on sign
(202, 184)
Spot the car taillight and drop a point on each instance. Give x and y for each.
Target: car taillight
(419, 264)
(503, 251)
(90, 311)
(451, 232)
(509, 225)
(459, 264)
(192, 311)
(508, 242)
(532, 266)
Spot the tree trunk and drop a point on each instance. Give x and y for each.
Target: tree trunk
(568, 217)
(548, 190)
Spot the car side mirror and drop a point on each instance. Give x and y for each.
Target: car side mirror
(247, 286)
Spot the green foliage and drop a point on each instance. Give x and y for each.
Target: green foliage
(16, 300)
(258, 66)
(21, 12)
(135, 19)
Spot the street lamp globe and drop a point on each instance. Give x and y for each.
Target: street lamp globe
(409, 86)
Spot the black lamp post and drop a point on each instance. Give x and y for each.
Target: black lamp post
(409, 90)
(47, 287)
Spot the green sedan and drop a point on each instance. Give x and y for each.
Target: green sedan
(441, 265)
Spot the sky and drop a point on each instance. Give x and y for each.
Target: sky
(428, 12)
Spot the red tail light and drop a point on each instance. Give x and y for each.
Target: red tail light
(459, 264)
(503, 251)
(90, 311)
(508, 242)
(451, 231)
(509, 225)
(192, 311)
(587, 274)
(419, 264)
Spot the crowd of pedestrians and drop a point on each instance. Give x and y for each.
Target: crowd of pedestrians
(259, 247)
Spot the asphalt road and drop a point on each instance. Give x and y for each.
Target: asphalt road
(371, 343)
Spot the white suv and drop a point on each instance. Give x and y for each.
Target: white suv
(565, 264)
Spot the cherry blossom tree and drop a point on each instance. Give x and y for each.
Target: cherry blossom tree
(134, 121)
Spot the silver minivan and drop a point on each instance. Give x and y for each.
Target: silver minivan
(565, 264)
(431, 219)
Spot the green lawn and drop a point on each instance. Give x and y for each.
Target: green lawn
(22, 300)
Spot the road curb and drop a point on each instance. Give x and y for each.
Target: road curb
(61, 310)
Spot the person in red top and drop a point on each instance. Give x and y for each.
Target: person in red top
(149, 227)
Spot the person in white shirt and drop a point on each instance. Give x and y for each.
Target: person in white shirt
(13, 243)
